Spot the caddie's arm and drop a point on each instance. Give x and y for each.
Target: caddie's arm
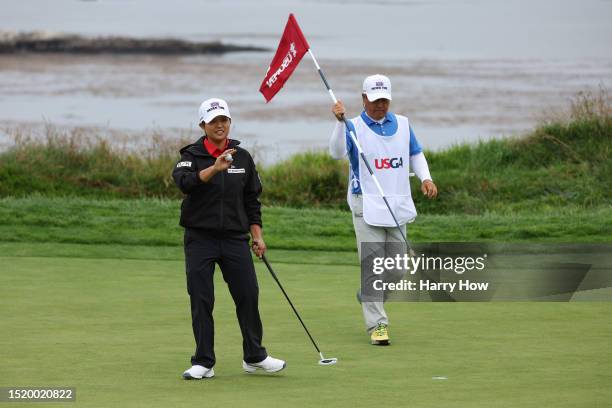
(418, 163)
(337, 142)
(339, 111)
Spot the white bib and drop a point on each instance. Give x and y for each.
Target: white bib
(389, 158)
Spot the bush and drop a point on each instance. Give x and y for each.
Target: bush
(308, 179)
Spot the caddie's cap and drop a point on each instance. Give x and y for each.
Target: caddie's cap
(377, 87)
(211, 108)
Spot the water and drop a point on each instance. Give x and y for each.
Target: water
(461, 70)
(347, 29)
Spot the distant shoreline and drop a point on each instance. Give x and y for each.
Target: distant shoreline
(43, 42)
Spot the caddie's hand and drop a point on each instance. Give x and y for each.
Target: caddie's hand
(429, 189)
(221, 164)
(259, 247)
(338, 110)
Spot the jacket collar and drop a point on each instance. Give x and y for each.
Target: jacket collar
(197, 148)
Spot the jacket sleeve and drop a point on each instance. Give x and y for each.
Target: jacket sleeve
(185, 174)
(252, 191)
(418, 164)
(337, 142)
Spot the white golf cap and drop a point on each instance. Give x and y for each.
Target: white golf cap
(211, 108)
(377, 87)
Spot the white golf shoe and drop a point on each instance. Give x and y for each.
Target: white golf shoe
(197, 372)
(269, 365)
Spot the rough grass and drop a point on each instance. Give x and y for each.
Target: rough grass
(564, 162)
(560, 164)
(76, 163)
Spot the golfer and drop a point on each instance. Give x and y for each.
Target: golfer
(389, 143)
(221, 207)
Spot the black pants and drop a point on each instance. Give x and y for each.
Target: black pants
(232, 254)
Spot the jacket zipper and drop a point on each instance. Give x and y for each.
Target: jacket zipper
(222, 197)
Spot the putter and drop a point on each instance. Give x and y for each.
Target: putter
(323, 361)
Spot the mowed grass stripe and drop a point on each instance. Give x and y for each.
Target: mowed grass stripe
(167, 253)
(150, 222)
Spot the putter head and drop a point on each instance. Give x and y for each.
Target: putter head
(328, 361)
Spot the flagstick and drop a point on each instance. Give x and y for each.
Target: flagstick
(361, 154)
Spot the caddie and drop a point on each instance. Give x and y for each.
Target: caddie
(392, 150)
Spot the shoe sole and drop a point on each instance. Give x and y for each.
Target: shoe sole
(250, 369)
(381, 342)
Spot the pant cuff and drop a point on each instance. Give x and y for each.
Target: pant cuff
(255, 359)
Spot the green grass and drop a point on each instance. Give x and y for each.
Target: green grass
(127, 225)
(119, 331)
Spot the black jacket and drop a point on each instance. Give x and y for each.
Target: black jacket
(229, 202)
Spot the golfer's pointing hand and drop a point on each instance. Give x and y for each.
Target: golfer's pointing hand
(338, 110)
(221, 164)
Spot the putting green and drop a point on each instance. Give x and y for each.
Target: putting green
(120, 332)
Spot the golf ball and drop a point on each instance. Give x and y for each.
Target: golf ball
(229, 158)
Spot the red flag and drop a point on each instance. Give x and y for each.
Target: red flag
(291, 49)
